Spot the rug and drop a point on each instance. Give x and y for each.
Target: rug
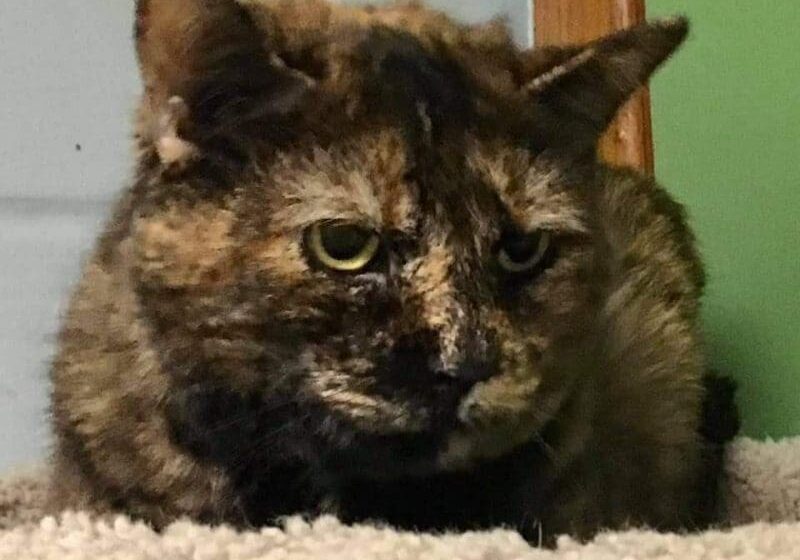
(763, 497)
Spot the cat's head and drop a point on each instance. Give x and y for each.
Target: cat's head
(374, 227)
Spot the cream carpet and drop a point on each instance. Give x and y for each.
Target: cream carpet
(763, 500)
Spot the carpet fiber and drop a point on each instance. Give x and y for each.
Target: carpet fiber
(763, 500)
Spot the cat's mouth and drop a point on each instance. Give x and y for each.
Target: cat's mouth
(417, 433)
(401, 412)
(382, 436)
(343, 432)
(439, 441)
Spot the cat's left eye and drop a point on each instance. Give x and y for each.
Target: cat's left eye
(343, 247)
(519, 253)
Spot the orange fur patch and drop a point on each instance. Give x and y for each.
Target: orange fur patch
(185, 247)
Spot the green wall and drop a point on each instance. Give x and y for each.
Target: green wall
(726, 114)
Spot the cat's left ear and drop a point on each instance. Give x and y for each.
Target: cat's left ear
(208, 69)
(579, 89)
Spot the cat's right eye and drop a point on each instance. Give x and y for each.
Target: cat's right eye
(343, 247)
(523, 253)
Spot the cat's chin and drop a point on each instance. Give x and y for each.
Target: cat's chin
(345, 448)
(385, 459)
(420, 455)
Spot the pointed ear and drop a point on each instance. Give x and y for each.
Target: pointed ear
(579, 89)
(207, 67)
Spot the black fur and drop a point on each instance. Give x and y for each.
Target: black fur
(720, 424)
(274, 480)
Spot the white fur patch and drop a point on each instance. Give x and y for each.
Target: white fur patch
(173, 151)
(429, 278)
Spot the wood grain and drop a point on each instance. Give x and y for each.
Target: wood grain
(629, 140)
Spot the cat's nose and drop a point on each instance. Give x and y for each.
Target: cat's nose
(477, 361)
(472, 371)
(416, 362)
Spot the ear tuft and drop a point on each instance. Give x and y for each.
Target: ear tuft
(174, 152)
(582, 87)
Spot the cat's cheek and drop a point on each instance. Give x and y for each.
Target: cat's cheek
(181, 248)
(497, 416)
(497, 420)
(506, 410)
(279, 257)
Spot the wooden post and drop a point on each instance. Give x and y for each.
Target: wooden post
(629, 140)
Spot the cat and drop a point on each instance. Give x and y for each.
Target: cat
(370, 265)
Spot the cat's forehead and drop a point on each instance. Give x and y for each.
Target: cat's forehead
(363, 179)
(474, 187)
(534, 189)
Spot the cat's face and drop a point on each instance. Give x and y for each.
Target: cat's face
(393, 251)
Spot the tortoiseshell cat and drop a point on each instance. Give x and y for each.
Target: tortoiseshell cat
(371, 266)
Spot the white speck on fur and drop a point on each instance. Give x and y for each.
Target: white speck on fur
(173, 150)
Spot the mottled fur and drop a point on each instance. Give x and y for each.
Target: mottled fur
(208, 367)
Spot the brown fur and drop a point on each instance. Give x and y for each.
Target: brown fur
(263, 117)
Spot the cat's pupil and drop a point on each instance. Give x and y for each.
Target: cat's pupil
(344, 242)
(520, 247)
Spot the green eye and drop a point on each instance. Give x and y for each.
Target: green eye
(521, 253)
(343, 247)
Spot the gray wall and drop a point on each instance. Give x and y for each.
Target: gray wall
(68, 81)
(517, 13)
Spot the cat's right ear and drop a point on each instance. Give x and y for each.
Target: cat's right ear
(208, 69)
(579, 89)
